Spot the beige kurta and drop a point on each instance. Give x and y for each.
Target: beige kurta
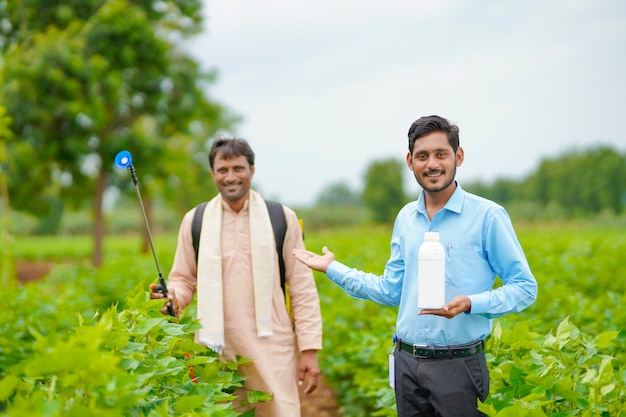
(274, 359)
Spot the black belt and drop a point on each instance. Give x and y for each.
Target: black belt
(443, 352)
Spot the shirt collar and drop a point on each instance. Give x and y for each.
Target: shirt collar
(455, 203)
(226, 207)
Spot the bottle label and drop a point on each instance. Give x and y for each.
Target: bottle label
(392, 371)
(431, 284)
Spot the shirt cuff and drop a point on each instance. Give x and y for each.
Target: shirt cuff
(480, 303)
(336, 271)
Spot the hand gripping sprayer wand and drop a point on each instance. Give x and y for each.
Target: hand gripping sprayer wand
(124, 160)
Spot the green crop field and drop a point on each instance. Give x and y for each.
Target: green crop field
(87, 341)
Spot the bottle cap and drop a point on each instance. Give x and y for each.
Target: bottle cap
(431, 236)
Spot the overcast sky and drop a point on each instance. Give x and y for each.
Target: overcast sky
(326, 87)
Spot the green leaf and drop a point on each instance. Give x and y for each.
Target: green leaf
(132, 347)
(590, 376)
(564, 388)
(496, 333)
(145, 326)
(188, 403)
(550, 342)
(8, 385)
(487, 409)
(605, 339)
(605, 373)
(566, 331)
(173, 329)
(258, 396)
(605, 390)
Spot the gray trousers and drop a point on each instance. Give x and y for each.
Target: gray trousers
(440, 387)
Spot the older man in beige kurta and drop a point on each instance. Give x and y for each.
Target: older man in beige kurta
(274, 358)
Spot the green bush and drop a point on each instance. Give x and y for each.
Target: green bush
(91, 342)
(563, 373)
(20, 222)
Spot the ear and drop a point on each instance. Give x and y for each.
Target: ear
(251, 171)
(409, 161)
(460, 156)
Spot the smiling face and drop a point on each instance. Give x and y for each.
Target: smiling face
(434, 163)
(232, 177)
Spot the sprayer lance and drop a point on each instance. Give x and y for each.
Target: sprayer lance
(124, 160)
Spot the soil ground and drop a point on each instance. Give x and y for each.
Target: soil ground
(320, 403)
(30, 271)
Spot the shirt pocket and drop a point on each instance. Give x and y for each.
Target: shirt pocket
(467, 269)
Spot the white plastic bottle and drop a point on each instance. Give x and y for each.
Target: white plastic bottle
(431, 279)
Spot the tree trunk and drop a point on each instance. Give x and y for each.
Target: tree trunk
(8, 266)
(98, 230)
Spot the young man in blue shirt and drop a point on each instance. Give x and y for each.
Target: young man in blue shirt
(440, 366)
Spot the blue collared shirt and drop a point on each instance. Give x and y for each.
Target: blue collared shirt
(480, 244)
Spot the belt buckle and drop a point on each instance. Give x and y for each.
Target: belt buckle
(417, 348)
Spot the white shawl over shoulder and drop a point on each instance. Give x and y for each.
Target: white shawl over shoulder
(265, 272)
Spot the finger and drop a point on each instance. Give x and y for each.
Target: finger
(433, 312)
(328, 253)
(164, 310)
(303, 370)
(301, 257)
(154, 294)
(300, 253)
(176, 308)
(312, 384)
(303, 252)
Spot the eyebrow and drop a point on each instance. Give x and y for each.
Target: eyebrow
(233, 166)
(432, 151)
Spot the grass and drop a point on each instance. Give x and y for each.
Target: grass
(81, 246)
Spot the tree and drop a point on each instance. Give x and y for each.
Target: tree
(85, 79)
(502, 191)
(579, 182)
(337, 205)
(338, 194)
(582, 182)
(384, 189)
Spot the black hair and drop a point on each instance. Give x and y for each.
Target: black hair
(429, 124)
(231, 148)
